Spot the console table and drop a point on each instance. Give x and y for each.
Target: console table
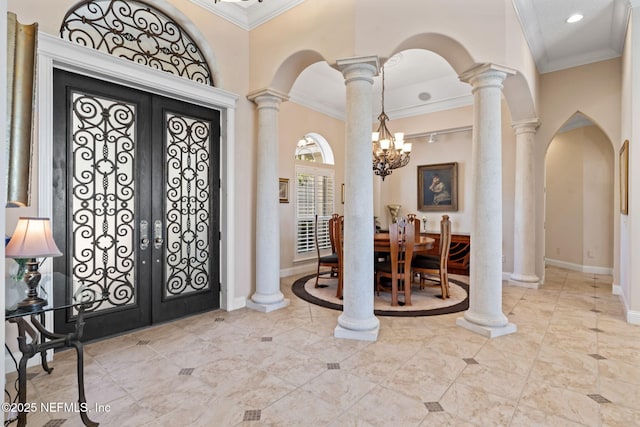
(40, 341)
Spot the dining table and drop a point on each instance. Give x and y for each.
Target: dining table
(381, 243)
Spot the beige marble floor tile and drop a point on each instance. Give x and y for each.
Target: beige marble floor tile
(582, 363)
(493, 356)
(298, 408)
(385, 407)
(125, 412)
(619, 416)
(162, 398)
(443, 419)
(576, 379)
(560, 402)
(472, 405)
(425, 383)
(293, 367)
(619, 371)
(526, 416)
(339, 388)
(123, 358)
(259, 390)
(503, 383)
(437, 364)
(621, 393)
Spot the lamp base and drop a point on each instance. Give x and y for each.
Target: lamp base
(32, 279)
(32, 303)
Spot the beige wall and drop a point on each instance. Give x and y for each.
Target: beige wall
(595, 90)
(629, 235)
(295, 122)
(579, 189)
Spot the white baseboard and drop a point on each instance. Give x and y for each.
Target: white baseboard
(239, 302)
(300, 269)
(633, 317)
(590, 269)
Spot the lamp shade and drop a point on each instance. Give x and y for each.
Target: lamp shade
(32, 238)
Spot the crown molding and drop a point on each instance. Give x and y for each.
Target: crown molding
(577, 60)
(431, 107)
(411, 111)
(248, 17)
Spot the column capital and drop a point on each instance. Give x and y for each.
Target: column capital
(486, 74)
(526, 126)
(267, 97)
(359, 68)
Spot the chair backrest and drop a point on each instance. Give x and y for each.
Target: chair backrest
(336, 226)
(413, 219)
(445, 241)
(332, 221)
(336, 230)
(402, 239)
(316, 231)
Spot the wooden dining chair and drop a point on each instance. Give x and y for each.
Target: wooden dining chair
(413, 219)
(398, 268)
(436, 264)
(337, 230)
(326, 260)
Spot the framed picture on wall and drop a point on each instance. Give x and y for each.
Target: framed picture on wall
(624, 178)
(438, 187)
(283, 189)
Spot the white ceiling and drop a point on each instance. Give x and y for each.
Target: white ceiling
(555, 45)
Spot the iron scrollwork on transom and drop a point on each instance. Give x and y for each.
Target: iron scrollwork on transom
(102, 197)
(188, 204)
(134, 30)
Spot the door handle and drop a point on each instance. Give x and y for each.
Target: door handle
(144, 235)
(157, 234)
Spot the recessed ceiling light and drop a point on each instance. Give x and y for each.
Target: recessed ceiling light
(574, 18)
(424, 96)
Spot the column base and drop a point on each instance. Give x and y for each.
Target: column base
(350, 334)
(524, 280)
(487, 331)
(266, 308)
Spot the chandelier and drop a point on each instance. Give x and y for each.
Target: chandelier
(389, 151)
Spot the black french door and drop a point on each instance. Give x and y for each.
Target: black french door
(136, 205)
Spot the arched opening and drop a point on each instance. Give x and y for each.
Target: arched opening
(314, 194)
(579, 194)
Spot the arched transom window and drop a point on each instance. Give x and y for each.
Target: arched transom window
(136, 31)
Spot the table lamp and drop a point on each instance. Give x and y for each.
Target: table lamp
(32, 239)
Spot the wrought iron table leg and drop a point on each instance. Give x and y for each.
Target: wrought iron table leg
(81, 396)
(22, 388)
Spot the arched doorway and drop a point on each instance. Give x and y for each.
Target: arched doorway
(579, 194)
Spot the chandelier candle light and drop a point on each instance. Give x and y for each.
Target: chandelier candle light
(32, 239)
(389, 151)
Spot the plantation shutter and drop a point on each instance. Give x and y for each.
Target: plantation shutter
(314, 196)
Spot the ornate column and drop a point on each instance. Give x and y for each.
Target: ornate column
(357, 320)
(524, 230)
(267, 296)
(484, 315)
